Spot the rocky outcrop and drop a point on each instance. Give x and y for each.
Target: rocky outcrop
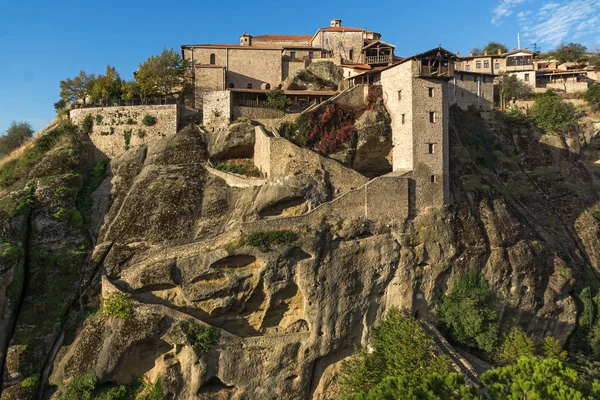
(317, 76)
(290, 311)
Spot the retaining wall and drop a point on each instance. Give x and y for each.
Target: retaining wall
(112, 125)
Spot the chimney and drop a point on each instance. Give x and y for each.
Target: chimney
(485, 53)
(470, 54)
(525, 48)
(246, 40)
(336, 23)
(514, 49)
(499, 51)
(457, 54)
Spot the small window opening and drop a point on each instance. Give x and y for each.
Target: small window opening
(212, 59)
(432, 116)
(249, 86)
(430, 92)
(399, 94)
(268, 86)
(430, 148)
(403, 118)
(231, 86)
(292, 54)
(433, 179)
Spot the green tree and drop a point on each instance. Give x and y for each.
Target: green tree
(552, 114)
(493, 47)
(106, 87)
(515, 344)
(466, 313)
(570, 52)
(551, 348)
(277, 99)
(130, 90)
(535, 378)
(592, 96)
(476, 51)
(400, 349)
(14, 137)
(77, 88)
(511, 88)
(162, 75)
(433, 387)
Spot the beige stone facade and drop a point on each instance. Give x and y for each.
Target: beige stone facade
(468, 89)
(113, 125)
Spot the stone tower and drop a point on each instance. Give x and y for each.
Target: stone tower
(416, 96)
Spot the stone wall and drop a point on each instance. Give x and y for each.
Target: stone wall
(113, 124)
(567, 87)
(289, 68)
(278, 158)
(207, 78)
(257, 113)
(216, 109)
(468, 89)
(341, 43)
(384, 199)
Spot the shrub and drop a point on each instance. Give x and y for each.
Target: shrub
(466, 313)
(130, 121)
(99, 119)
(30, 381)
(264, 240)
(70, 214)
(246, 168)
(141, 133)
(149, 120)
(592, 96)
(10, 252)
(552, 114)
(551, 348)
(201, 337)
(277, 99)
(435, 386)
(15, 136)
(79, 388)
(88, 124)
(118, 305)
(127, 137)
(516, 344)
(398, 348)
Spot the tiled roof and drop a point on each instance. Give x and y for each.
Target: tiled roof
(300, 38)
(289, 92)
(230, 46)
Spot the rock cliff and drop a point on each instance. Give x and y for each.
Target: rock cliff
(170, 235)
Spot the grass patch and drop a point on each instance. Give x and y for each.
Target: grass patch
(70, 214)
(84, 201)
(246, 168)
(10, 252)
(264, 240)
(127, 137)
(30, 381)
(118, 305)
(202, 338)
(149, 120)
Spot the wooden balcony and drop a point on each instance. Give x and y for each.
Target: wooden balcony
(381, 59)
(437, 72)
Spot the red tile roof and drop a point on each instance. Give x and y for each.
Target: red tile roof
(283, 37)
(230, 46)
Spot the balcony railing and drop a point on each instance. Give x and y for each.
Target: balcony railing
(386, 59)
(248, 103)
(437, 71)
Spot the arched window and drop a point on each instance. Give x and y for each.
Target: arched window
(249, 86)
(268, 86)
(212, 59)
(231, 86)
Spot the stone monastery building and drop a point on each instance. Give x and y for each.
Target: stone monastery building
(417, 91)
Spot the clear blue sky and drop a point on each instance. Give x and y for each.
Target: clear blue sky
(42, 42)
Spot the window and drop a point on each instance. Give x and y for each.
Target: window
(249, 86)
(268, 86)
(497, 66)
(486, 63)
(351, 54)
(292, 54)
(526, 78)
(478, 64)
(462, 77)
(430, 148)
(432, 116)
(467, 67)
(231, 86)
(430, 92)
(433, 179)
(399, 94)
(212, 59)
(311, 54)
(403, 118)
